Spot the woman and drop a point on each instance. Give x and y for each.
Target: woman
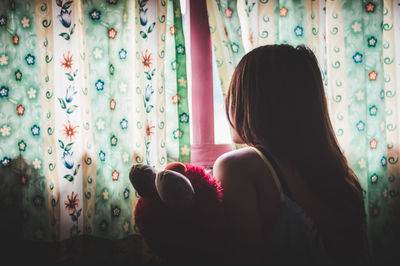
(290, 197)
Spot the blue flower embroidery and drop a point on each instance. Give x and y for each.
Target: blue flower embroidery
(99, 85)
(68, 160)
(357, 57)
(3, 92)
(65, 18)
(184, 118)
(69, 94)
(360, 126)
(3, 21)
(384, 161)
(180, 49)
(148, 92)
(102, 156)
(122, 54)
(35, 130)
(6, 161)
(30, 59)
(143, 17)
(95, 14)
(124, 123)
(126, 193)
(298, 31)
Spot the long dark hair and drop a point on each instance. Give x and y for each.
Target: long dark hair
(276, 100)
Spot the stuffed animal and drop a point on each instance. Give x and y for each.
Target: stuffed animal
(179, 213)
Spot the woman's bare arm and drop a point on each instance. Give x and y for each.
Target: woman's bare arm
(246, 239)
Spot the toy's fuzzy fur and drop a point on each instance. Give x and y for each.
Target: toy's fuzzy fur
(195, 233)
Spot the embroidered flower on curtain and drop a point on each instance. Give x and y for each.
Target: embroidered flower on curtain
(112, 33)
(298, 31)
(35, 130)
(372, 41)
(102, 156)
(21, 145)
(20, 110)
(18, 75)
(99, 85)
(4, 92)
(372, 75)
(370, 7)
(283, 11)
(95, 14)
(3, 21)
(5, 161)
(30, 59)
(15, 39)
(357, 57)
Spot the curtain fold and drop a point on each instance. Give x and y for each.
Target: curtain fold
(86, 92)
(355, 43)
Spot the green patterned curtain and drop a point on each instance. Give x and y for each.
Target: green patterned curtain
(88, 88)
(355, 42)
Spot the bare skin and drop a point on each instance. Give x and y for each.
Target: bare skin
(252, 201)
(242, 173)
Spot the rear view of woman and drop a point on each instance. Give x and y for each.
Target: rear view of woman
(290, 197)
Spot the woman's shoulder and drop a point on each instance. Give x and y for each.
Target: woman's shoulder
(236, 156)
(235, 161)
(241, 165)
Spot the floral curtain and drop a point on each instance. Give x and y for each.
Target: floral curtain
(87, 89)
(356, 43)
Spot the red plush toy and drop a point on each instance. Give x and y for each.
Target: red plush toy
(179, 213)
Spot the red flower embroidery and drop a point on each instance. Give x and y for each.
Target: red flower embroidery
(67, 62)
(283, 11)
(228, 12)
(149, 129)
(20, 110)
(370, 7)
(113, 103)
(112, 33)
(172, 30)
(15, 39)
(147, 60)
(372, 75)
(116, 211)
(115, 175)
(176, 99)
(70, 131)
(372, 144)
(72, 202)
